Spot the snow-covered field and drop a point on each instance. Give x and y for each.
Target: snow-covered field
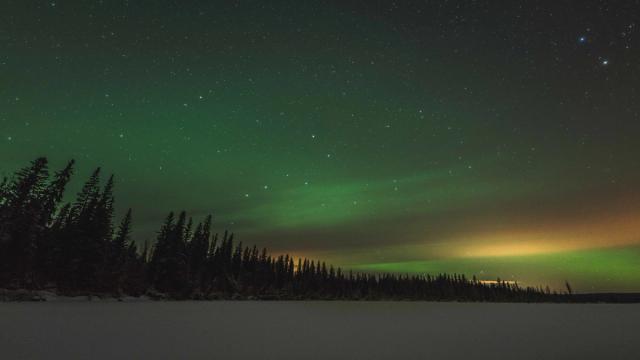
(317, 330)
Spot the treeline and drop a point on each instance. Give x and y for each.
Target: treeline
(75, 248)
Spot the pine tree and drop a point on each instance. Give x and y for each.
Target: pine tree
(87, 198)
(48, 243)
(568, 287)
(160, 253)
(4, 192)
(171, 266)
(122, 238)
(103, 219)
(20, 217)
(88, 235)
(120, 252)
(54, 192)
(27, 187)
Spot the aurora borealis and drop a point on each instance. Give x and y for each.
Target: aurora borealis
(495, 138)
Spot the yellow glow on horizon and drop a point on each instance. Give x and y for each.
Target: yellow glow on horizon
(618, 230)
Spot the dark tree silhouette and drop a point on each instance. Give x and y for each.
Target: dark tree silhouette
(568, 287)
(21, 220)
(121, 254)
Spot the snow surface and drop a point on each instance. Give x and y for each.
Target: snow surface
(317, 330)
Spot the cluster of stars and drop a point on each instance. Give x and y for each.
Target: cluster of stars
(584, 40)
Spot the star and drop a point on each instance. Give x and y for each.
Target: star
(582, 39)
(605, 62)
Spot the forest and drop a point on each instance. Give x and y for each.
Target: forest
(76, 248)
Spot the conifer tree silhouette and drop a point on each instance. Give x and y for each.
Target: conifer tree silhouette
(121, 252)
(20, 220)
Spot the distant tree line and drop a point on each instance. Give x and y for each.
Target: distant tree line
(75, 248)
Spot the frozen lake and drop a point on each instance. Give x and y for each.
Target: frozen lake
(317, 330)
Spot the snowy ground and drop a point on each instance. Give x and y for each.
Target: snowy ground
(317, 330)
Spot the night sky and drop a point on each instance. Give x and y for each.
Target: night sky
(495, 138)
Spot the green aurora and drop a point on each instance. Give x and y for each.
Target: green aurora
(375, 139)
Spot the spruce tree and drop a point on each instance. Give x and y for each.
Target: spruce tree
(121, 251)
(86, 247)
(55, 191)
(48, 241)
(87, 198)
(20, 217)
